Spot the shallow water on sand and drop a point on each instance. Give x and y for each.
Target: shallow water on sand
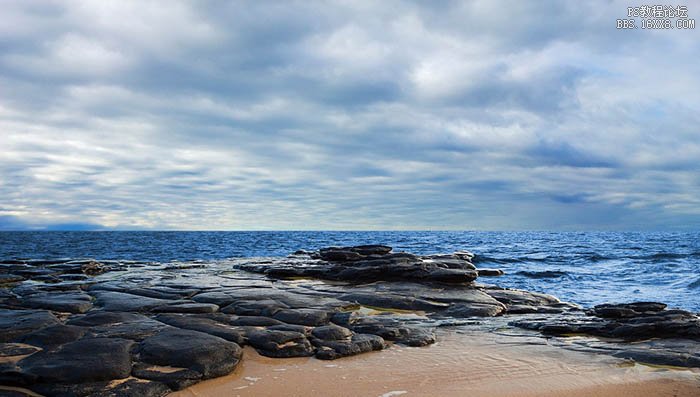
(473, 363)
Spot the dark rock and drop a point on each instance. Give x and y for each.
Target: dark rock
(85, 360)
(205, 325)
(389, 328)
(16, 349)
(371, 249)
(490, 272)
(186, 307)
(256, 321)
(627, 309)
(473, 310)
(102, 318)
(391, 301)
(122, 302)
(208, 355)
(332, 349)
(310, 317)
(174, 379)
(131, 387)
(135, 330)
(10, 278)
(218, 298)
(89, 267)
(54, 335)
(60, 302)
(16, 323)
(280, 343)
(335, 254)
(302, 329)
(331, 332)
(451, 275)
(262, 307)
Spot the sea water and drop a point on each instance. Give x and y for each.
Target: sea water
(587, 268)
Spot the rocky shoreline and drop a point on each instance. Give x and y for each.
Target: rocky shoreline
(114, 328)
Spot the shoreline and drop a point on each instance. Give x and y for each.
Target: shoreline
(474, 363)
(85, 328)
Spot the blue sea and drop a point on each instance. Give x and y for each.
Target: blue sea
(587, 268)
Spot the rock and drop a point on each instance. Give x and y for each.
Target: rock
(122, 302)
(256, 321)
(134, 330)
(627, 309)
(85, 360)
(333, 254)
(280, 344)
(208, 326)
(101, 318)
(389, 328)
(262, 307)
(14, 324)
(372, 263)
(60, 302)
(333, 349)
(16, 349)
(10, 278)
(208, 355)
(331, 332)
(89, 267)
(218, 298)
(174, 378)
(302, 329)
(186, 307)
(391, 301)
(131, 387)
(451, 275)
(54, 335)
(473, 310)
(310, 317)
(489, 272)
(371, 249)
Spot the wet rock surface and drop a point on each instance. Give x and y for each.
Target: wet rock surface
(82, 327)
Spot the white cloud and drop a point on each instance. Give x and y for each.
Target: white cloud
(370, 115)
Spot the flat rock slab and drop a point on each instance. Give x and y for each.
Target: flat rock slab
(310, 317)
(187, 307)
(106, 359)
(206, 325)
(123, 302)
(357, 344)
(71, 302)
(281, 344)
(130, 387)
(208, 355)
(16, 323)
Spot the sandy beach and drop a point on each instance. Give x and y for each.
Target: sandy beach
(474, 364)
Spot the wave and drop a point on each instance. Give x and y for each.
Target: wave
(489, 259)
(661, 256)
(542, 274)
(695, 284)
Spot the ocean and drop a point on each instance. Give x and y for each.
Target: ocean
(587, 268)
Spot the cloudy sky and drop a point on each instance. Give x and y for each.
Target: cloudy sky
(345, 115)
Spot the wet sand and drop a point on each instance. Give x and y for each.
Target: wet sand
(474, 364)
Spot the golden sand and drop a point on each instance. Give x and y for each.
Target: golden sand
(476, 364)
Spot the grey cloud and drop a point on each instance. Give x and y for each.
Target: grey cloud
(244, 115)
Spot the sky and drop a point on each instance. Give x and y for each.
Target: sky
(469, 115)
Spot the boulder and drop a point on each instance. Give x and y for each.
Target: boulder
(208, 355)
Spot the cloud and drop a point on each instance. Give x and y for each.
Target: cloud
(350, 115)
